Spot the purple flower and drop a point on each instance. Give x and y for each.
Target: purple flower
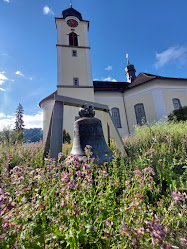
(166, 230)
(2, 235)
(183, 240)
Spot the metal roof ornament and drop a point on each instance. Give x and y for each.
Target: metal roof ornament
(127, 57)
(71, 3)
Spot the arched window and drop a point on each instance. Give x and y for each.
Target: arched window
(140, 113)
(116, 117)
(73, 39)
(176, 103)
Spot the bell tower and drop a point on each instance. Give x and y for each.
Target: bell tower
(73, 53)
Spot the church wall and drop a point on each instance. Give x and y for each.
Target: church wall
(73, 67)
(114, 99)
(169, 95)
(173, 88)
(147, 100)
(84, 93)
(47, 107)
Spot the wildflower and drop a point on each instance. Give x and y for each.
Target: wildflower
(127, 183)
(140, 230)
(124, 227)
(134, 240)
(138, 172)
(2, 235)
(166, 230)
(87, 168)
(149, 170)
(150, 178)
(107, 223)
(132, 204)
(183, 240)
(63, 202)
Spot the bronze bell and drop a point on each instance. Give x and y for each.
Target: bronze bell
(88, 131)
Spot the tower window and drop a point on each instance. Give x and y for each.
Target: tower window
(176, 103)
(140, 113)
(116, 117)
(73, 39)
(75, 81)
(74, 53)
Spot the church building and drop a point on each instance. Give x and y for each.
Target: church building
(145, 98)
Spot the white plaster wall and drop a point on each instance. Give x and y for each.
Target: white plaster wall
(68, 66)
(159, 104)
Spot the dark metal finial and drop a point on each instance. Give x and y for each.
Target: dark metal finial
(71, 3)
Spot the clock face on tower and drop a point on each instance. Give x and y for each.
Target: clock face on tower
(72, 23)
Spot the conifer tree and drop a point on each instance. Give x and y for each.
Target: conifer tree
(19, 123)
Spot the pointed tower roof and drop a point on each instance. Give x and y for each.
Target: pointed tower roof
(71, 12)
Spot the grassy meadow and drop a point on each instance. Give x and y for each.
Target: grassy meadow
(137, 201)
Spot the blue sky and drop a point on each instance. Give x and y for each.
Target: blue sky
(153, 33)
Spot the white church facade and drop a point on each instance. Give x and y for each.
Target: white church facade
(145, 97)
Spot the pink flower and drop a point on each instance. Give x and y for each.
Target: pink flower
(2, 235)
(63, 202)
(132, 204)
(127, 183)
(124, 227)
(183, 240)
(96, 216)
(107, 223)
(140, 230)
(166, 230)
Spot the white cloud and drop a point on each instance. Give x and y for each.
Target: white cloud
(30, 121)
(2, 115)
(109, 79)
(7, 1)
(47, 10)
(2, 89)
(22, 75)
(19, 73)
(6, 122)
(3, 78)
(177, 54)
(33, 121)
(109, 68)
(106, 79)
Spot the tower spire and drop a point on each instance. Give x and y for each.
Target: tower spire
(71, 3)
(130, 71)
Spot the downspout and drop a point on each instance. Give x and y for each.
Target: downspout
(126, 113)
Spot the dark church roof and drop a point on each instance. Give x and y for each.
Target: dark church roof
(110, 86)
(71, 12)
